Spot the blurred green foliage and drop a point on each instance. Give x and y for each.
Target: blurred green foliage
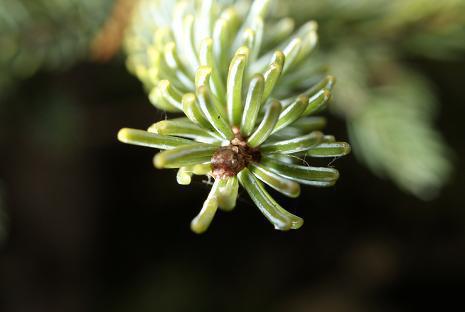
(388, 106)
(49, 34)
(424, 27)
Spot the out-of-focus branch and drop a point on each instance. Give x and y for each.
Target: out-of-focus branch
(389, 108)
(43, 34)
(108, 41)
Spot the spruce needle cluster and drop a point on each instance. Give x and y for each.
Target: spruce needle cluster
(235, 77)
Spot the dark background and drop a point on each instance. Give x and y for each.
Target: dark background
(94, 227)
